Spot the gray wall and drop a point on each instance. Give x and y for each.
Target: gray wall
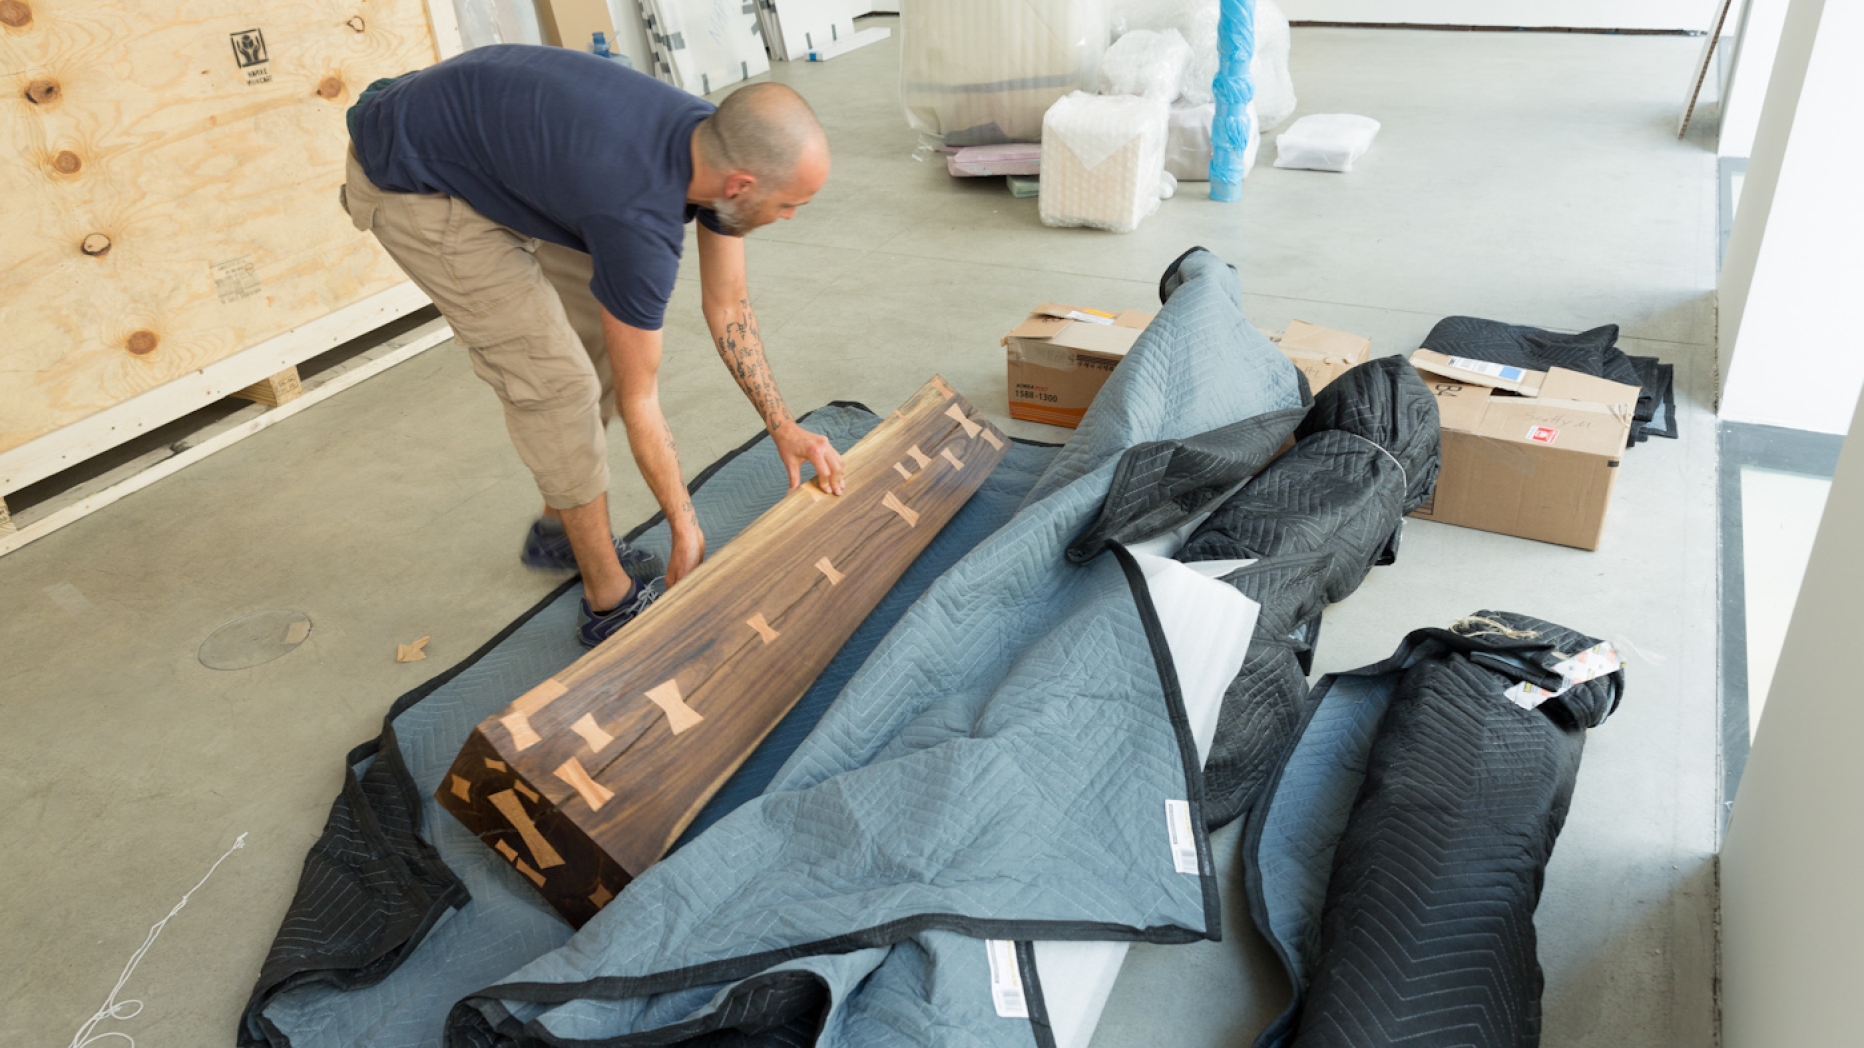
(1793, 862)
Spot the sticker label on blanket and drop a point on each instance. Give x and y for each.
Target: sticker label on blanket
(1594, 662)
(1006, 980)
(1183, 842)
(1543, 434)
(1489, 368)
(1528, 696)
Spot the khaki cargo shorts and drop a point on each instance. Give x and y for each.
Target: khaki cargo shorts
(523, 310)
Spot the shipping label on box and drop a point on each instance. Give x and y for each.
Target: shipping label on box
(1061, 356)
(1526, 453)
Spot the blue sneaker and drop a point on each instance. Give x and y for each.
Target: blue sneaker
(547, 548)
(594, 627)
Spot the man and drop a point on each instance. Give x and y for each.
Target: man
(539, 196)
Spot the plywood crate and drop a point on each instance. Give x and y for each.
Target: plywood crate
(169, 225)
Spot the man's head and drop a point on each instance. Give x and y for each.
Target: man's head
(761, 156)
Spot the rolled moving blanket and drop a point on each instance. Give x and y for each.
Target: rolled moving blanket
(1315, 522)
(1398, 856)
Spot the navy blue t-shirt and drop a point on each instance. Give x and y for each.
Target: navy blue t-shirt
(557, 144)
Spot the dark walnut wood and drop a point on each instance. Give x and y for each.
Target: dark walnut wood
(588, 779)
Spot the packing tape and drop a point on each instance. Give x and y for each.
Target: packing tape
(907, 513)
(518, 722)
(512, 809)
(1041, 353)
(679, 715)
(594, 794)
(971, 429)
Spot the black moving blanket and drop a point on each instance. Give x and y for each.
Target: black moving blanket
(1593, 352)
(1398, 857)
(1315, 522)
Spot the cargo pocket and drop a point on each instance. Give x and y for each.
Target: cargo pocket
(539, 371)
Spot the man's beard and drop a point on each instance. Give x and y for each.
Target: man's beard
(735, 216)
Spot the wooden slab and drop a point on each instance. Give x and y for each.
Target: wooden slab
(618, 752)
(168, 187)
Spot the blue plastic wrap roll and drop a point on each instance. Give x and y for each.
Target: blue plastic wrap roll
(1229, 134)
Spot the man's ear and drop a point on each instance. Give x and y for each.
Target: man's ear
(739, 183)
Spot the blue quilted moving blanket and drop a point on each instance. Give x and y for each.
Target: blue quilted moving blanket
(1011, 763)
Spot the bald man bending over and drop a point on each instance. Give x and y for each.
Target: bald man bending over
(539, 196)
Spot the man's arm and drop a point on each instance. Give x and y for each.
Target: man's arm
(734, 328)
(635, 355)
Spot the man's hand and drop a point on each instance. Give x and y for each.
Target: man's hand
(688, 553)
(797, 445)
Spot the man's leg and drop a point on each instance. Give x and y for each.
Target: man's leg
(605, 585)
(569, 272)
(487, 283)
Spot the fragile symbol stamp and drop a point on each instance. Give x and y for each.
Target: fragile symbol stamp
(249, 51)
(1543, 434)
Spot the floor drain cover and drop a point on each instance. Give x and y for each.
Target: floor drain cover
(254, 640)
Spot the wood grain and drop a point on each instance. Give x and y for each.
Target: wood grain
(625, 746)
(274, 390)
(163, 208)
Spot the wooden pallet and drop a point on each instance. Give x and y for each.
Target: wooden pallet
(86, 498)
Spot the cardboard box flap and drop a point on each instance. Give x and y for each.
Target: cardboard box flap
(1037, 327)
(1479, 372)
(1095, 338)
(1460, 407)
(1311, 340)
(1132, 318)
(1079, 313)
(1562, 384)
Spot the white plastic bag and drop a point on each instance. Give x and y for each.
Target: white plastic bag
(979, 72)
(1325, 142)
(1187, 141)
(1103, 161)
(1196, 21)
(1268, 70)
(1146, 63)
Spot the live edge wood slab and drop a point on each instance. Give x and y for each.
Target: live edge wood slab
(587, 779)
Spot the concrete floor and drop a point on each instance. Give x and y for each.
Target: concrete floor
(1529, 177)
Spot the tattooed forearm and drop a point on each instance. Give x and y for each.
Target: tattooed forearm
(651, 440)
(741, 346)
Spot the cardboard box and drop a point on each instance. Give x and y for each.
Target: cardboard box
(1322, 354)
(1061, 356)
(574, 23)
(1528, 453)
